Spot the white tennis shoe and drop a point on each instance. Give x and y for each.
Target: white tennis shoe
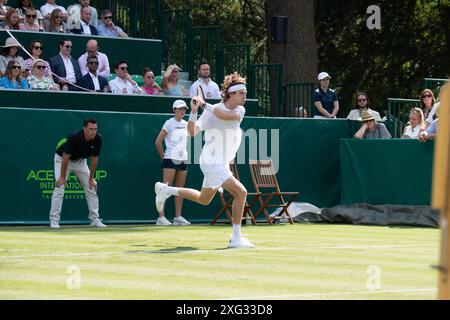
(180, 221)
(161, 196)
(240, 242)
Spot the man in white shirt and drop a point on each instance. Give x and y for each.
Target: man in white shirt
(123, 82)
(65, 67)
(74, 13)
(82, 26)
(103, 61)
(210, 88)
(47, 9)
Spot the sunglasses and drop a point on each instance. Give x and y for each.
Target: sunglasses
(16, 67)
(31, 16)
(38, 48)
(150, 77)
(426, 96)
(124, 68)
(362, 100)
(108, 18)
(368, 121)
(68, 47)
(93, 62)
(40, 67)
(58, 17)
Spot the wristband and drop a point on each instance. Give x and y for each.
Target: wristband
(209, 107)
(193, 117)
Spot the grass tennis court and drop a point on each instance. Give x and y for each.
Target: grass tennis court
(301, 261)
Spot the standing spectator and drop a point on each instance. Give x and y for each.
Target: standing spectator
(56, 23)
(123, 82)
(362, 104)
(29, 23)
(51, 5)
(37, 51)
(65, 67)
(103, 61)
(3, 9)
(10, 53)
(38, 80)
(12, 78)
(371, 129)
(175, 134)
(427, 101)
(83, 27)
(107, 28)
(150, 86)
(210, 88)
(416, 124)
(71, 156)
(74, 13)
(12, 19)
(325, 99)
(92, 80)
(170, 84)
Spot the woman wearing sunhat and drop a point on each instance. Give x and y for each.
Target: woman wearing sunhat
(175, 134)
(371, 129)
(10, 53)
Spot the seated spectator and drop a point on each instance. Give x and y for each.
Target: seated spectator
(74, 14)
(325, 99)
(300, 112)
(371, 129)
(36, 49)
(434, 111)
(50, 6)
(150, 86)
(38, 80)
(56, 23)
(66, 69)
(107, 28)
(23, 5)
(3, 9)
(103, 61)
(427, 101)
(170, 85)
(430, 132)
(123, 82)
(82, 26)
(362, 104)
(92, 80)
(12, 78)
(29, 23)
(12, 20)
(416, 124)
(10, 53)
(209, 87)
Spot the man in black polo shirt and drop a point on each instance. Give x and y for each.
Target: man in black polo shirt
(71, 155)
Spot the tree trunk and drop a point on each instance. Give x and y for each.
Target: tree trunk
(299, 53)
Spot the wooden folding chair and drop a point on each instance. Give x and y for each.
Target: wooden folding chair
(264, 178)
(227, 201)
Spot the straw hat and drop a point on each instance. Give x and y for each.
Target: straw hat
(11, 42)
(367, 115)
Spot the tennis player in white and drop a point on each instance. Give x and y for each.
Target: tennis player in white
(221, 123)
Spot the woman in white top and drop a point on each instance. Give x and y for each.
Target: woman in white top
(221, 123)
(362, 103)
(416, 124)
(174, 133)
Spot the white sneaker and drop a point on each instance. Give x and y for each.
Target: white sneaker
(54, 224)
(180, 221)
(161, 196)
(162, 221)
(97, 223)
(240, 242)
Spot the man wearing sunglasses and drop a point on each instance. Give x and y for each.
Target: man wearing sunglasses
(123, 82)
(92, 80)
(103, 61)
(65, 67)
(107, 28)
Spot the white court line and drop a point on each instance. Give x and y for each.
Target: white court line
(334, 294)
(219, 250)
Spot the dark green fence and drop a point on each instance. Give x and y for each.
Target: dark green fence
(296, 95)
(203, 46)
(398, 114)
(233, 57)
(432, 83)
(265, 83)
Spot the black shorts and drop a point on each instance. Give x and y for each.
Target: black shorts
(174, 164)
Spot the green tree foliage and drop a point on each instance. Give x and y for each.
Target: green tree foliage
(413, 43)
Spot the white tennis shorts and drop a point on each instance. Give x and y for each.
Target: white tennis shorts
(215, 175)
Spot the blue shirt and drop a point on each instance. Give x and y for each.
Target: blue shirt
(326, 98)
(8, 84)
(107, 32)
(433, 127)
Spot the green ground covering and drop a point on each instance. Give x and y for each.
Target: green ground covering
(301, 261)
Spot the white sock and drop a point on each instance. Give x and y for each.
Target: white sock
(173, 191)
(236, 230)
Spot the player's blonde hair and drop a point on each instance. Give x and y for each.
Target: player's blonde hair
(230, 80)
